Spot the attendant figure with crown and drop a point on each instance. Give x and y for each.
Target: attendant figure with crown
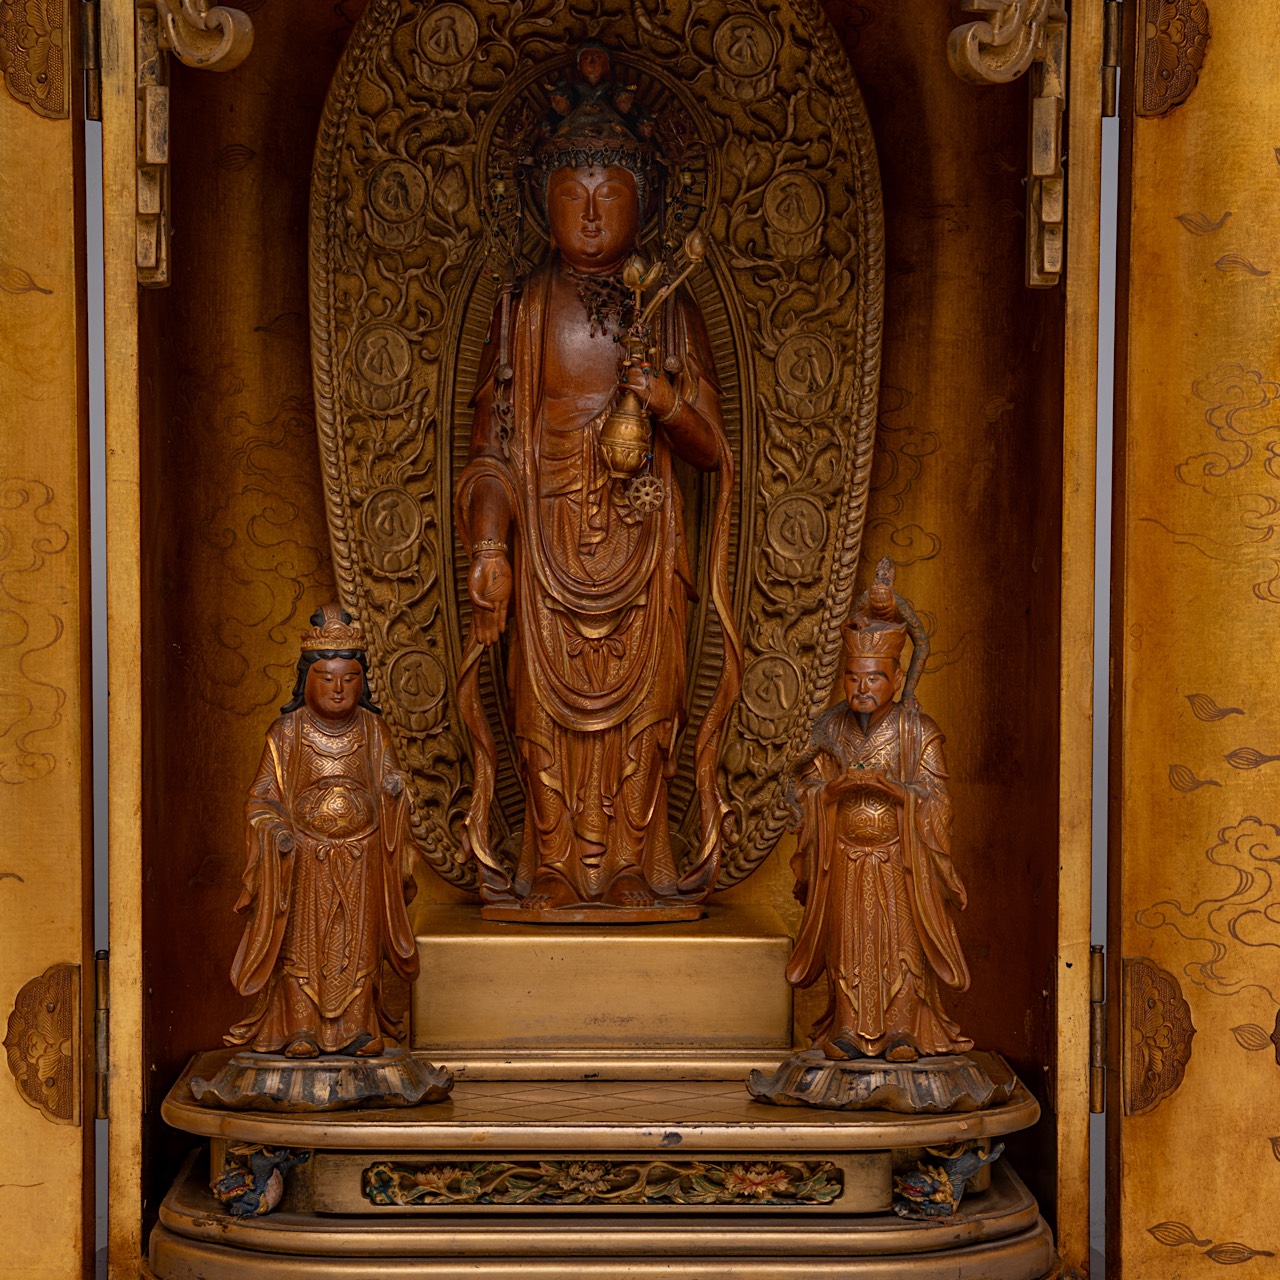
(574, 526)
(330, 863)
(873, 863)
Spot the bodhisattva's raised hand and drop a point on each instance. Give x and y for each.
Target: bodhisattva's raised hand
(490, 588)
(691, 436)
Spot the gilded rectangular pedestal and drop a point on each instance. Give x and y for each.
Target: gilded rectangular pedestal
(701, 999)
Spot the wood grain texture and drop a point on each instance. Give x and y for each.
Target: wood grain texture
(45, 832)
(124, 640)
(1194, 624)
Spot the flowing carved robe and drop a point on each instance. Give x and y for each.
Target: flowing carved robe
(881, 887)
(323, 916)
(598, 627)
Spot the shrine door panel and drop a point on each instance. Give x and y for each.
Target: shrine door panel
(1195, 886)
(46, 955)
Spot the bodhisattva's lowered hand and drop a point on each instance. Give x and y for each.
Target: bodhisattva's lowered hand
(490, 589)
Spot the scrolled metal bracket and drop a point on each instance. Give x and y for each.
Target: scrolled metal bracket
(1018, 37)
(212, 38)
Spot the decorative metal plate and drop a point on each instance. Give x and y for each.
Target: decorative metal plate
(42, 1043)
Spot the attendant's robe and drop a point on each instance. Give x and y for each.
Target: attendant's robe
(324, 915)
(881, 888)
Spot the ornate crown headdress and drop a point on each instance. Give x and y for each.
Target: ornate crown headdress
(594, 121)
(332, 627)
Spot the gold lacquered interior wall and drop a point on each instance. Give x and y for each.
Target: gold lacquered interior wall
(967, 499)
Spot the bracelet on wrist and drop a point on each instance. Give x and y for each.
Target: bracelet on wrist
(488, 544)
(674, 412)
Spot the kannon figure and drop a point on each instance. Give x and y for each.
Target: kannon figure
(330, 863)
(572, 517)
(873, 863)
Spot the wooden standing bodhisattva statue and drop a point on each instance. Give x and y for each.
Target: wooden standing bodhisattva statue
(330, 863)
(873, 860)
(573, 522)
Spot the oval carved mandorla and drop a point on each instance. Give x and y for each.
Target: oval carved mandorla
(768, 153)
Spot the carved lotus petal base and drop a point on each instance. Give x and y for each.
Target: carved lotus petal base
(956, 1082)
(594, 913)
(336, 1082)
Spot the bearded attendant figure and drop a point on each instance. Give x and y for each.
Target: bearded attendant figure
(873, 863)
(577, 546)
(330, 863)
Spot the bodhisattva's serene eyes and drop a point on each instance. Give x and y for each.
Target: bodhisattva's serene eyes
(611, 191)
(571, 193)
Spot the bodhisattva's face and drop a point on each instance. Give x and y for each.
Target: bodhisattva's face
(871, 683)
(594, 215)
(334, 686)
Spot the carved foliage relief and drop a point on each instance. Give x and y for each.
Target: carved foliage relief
(412, 157)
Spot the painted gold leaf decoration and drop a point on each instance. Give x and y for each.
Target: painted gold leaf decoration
(1199, 225)
(1248, 758)
(1234, 264)
(16, 280)
(1204, 707)
(1176, 1233)
(1231, 1252)
(234, 156)
(1181, 778)
(1251, 1036)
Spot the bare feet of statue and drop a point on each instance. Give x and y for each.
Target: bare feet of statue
(549, 891)
(302, 1047)
(629, 891)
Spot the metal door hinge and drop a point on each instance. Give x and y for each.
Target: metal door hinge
(1097, 1030)
(90, 59)
(1110, 56)
(101, 1035)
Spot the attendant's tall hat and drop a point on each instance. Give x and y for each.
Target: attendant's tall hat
(877, 628)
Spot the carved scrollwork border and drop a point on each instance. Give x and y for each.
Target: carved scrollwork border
(1002, 46)
(212, 37)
